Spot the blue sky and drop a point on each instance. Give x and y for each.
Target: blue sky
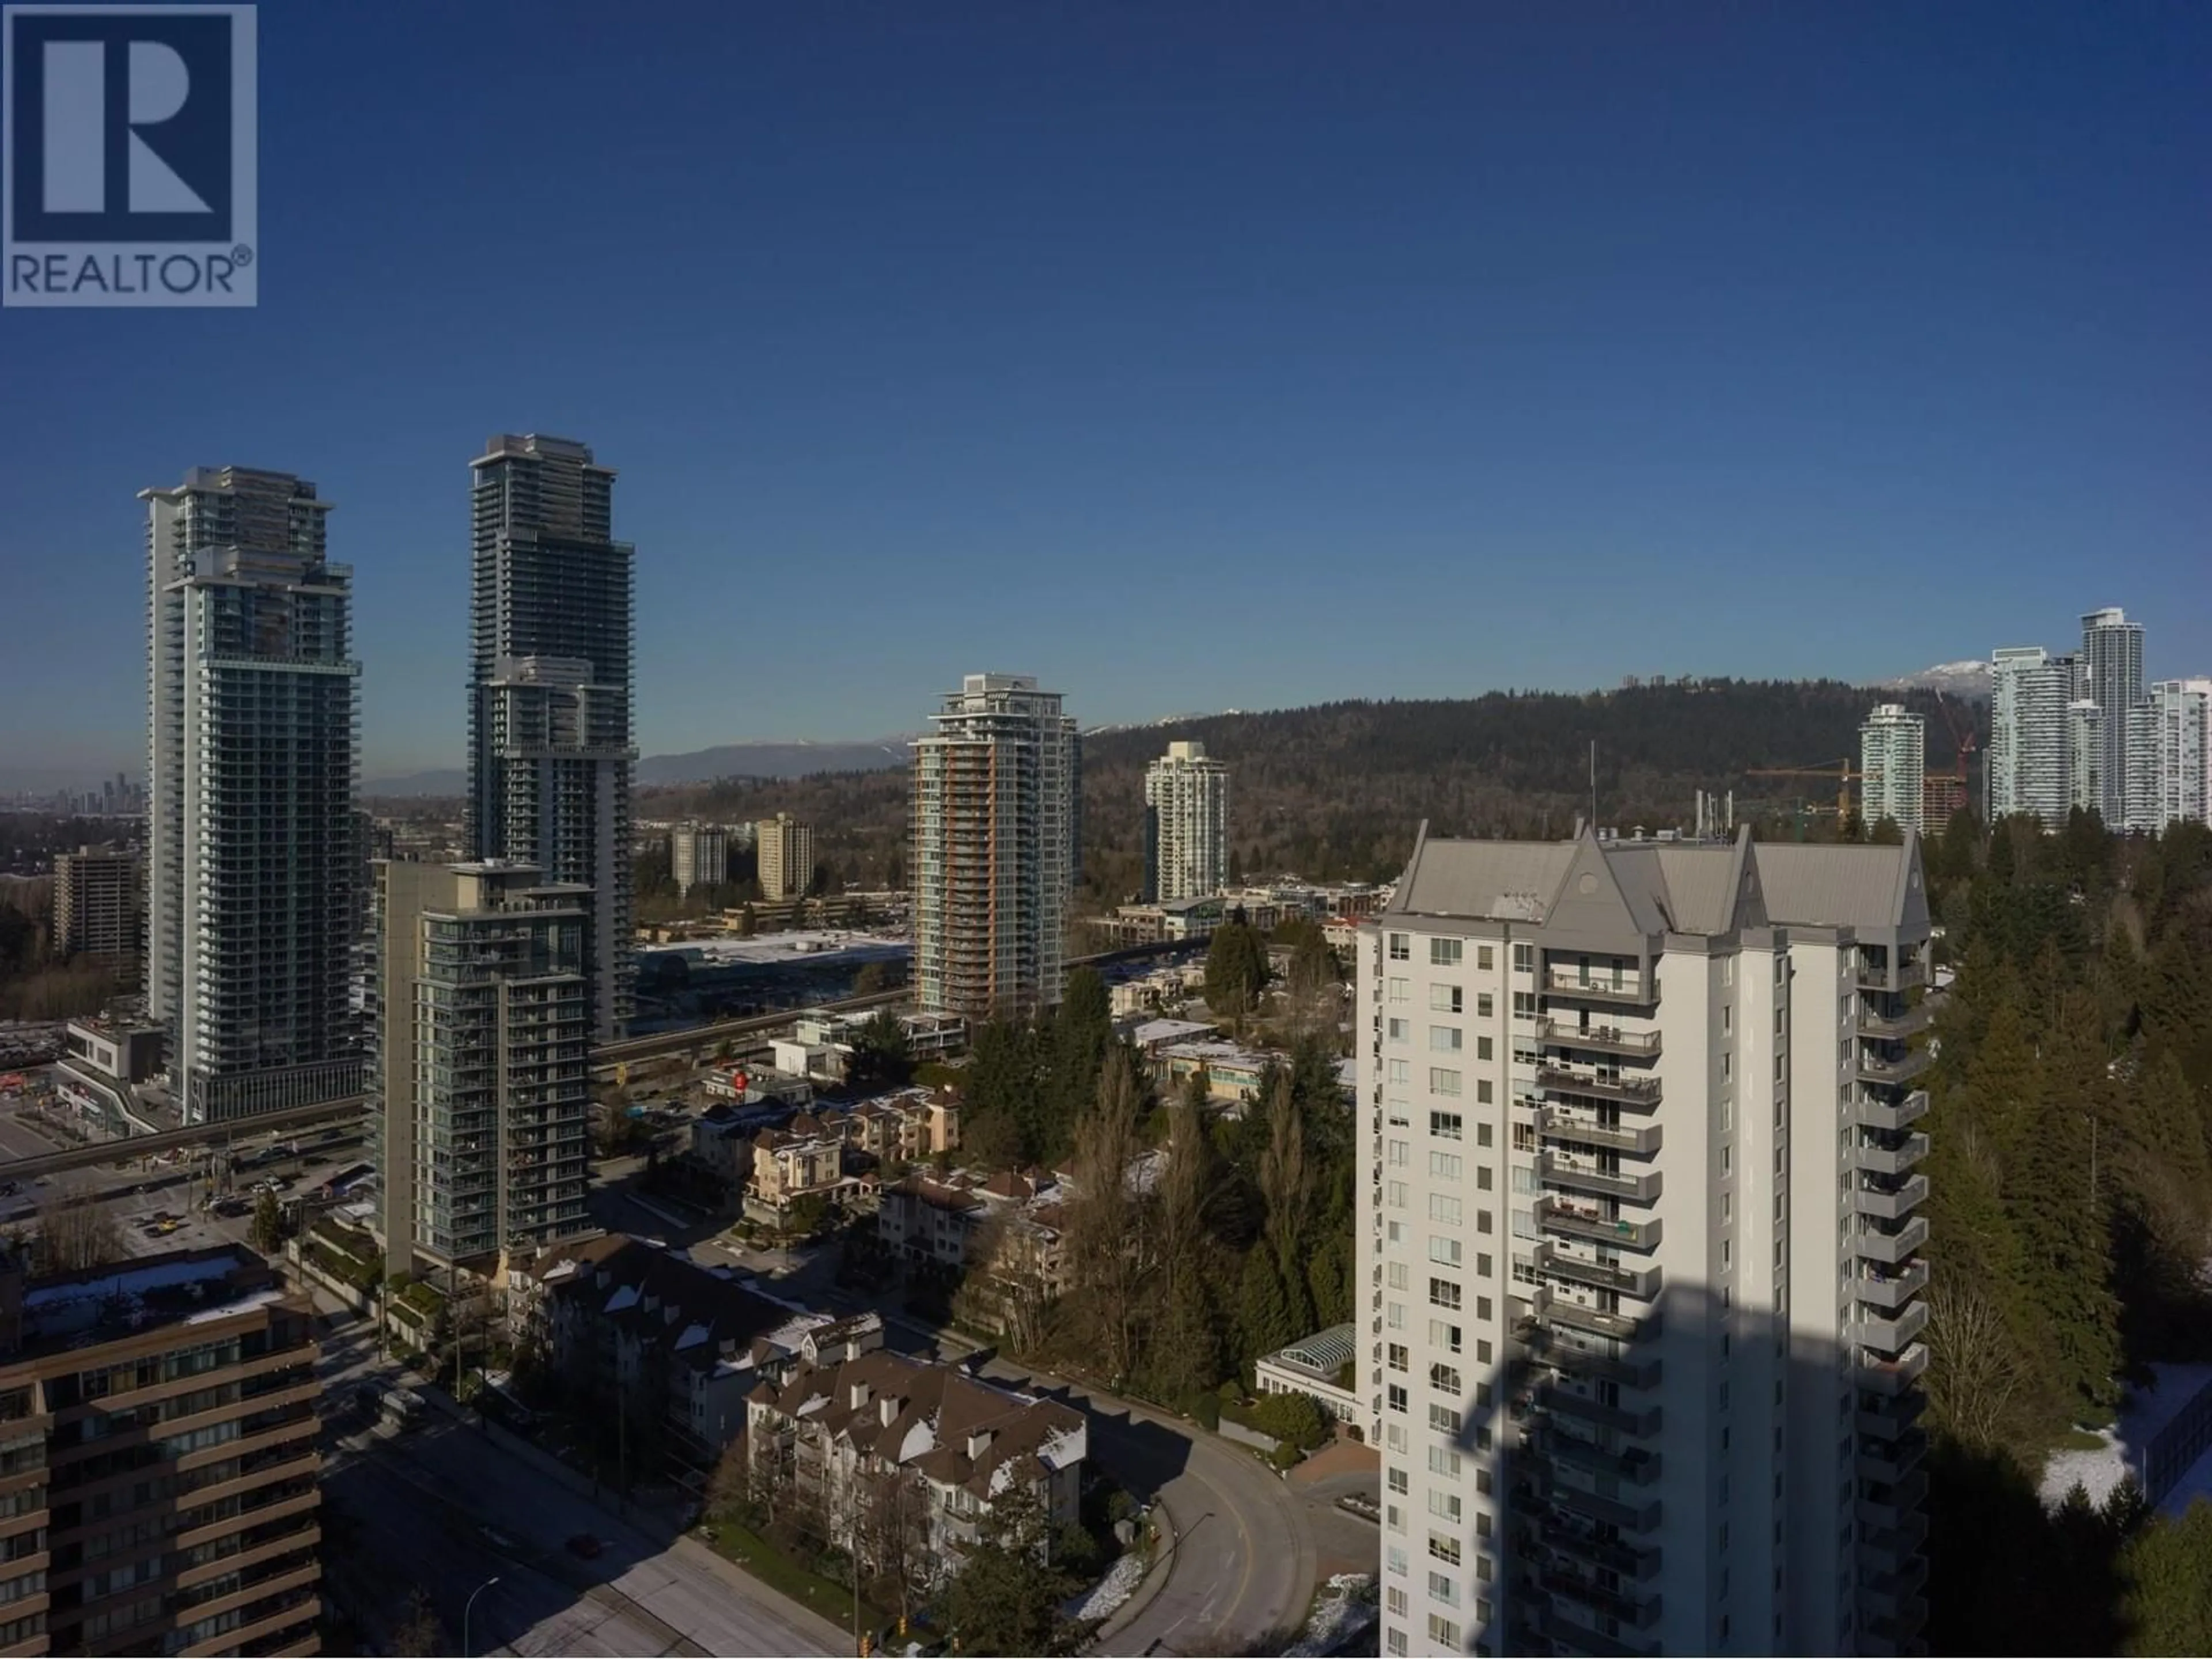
(1191, 357)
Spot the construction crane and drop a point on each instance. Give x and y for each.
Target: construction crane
(1962, 743)
(1840, 770)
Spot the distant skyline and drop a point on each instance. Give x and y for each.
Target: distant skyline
(1188, 359)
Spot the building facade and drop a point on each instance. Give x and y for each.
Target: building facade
(1186, 825)
(253, 695)
(2030, 766)
(551, 638)
(98, 907)
(480, 1072)
(1638, 1249)
(996, 831)
(698, 856)
(784, 851)
(1894, 763)
(2169, 748)
(2112, 678)
(158, 1469)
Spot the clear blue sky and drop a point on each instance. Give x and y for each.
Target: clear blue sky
(1190, 356)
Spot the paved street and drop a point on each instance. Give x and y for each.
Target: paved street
(440, 1507)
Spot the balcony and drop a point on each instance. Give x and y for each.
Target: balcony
(1640, 1092)
(1637, 1465)
(1873, 1244)
(1631, 992)
(1609, 1511)
(1892, 1335)
(1881, 1506)
(1608, 1603)
(1891, 1204)
(1888, 1462)
(1599, 1039)
(1637, 1371)
(1608, 1554)
(1642, 1283)
(1582, 1638)
(1565, 1402)
(1597, 1322)
(1892, 1071)
(1889, 1592)
(1874, 976)
(1555, 1125)
(1895, 1028)
(1893, 1160)
(1898, 1538)
(1891, 1288)
(1895, 1377)
(1558, 1171)
(1571, 1220)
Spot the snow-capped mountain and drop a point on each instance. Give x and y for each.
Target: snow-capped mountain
(1954, 679)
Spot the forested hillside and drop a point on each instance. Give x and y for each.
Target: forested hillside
(1336, 791)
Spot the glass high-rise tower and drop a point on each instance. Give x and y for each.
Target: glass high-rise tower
(2113, 665)
(252, 708)
(551, 634)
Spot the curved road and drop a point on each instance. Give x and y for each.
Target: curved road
(1243, 1568)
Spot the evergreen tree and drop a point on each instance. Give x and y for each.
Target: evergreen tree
(1082, 1030)
(1263, 1312)
(2166, 1571)
(1236, 970)
(1004, 1598)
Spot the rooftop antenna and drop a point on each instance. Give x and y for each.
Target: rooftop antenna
(1593, 780)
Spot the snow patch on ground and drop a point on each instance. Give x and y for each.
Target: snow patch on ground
(1103, 1598)
(1345, 1609)
(2143, 1414)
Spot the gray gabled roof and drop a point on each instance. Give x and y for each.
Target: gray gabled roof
(1506, 880)
(1844, 886)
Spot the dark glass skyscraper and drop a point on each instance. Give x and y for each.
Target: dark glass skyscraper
(551, 634)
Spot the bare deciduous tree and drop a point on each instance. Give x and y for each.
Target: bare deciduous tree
(1285, 1182)
(1111, 1249)
(1974, 1370)
(75, 1233)
(420, 1631)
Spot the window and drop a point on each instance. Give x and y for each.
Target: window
(1397, 1356)
(1444, 1207)
(1443, 1588)
(1443, 1633)
(1524, 1269)
(1393, 1639)
(1443, 1250)
(1445, 1125)
(1524, 1138)
(1482, 1130)
(1394, 1517)
(1484, 1266)
(1400, 1481)
(1399, 1071)
(1397, 1397)
(1444, 1378)
(1443, 1080)
(1524, 1225)
(1524, 959)
(1444, 999)
(1483, 1049)
(1444, 1040)
(1394, 1195)
(1482, 1177)
(1394, 1315)
(1442, 1333)
(1728, 1065)
(1485, 1006)
(1443, 1503)
(1443, 1461)
(1398, 990)
(1399, 1154)
(1401, 948)
(1484, 1221)
(1446, 952)
(1397, 1275)
(1727, 1018)
(1482, 1307)
(1396, 1558)
(1443, 1166)
(1398, 1031)
(1525, 1004)
(1443, 1293)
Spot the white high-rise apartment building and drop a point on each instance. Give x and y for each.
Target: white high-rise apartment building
(698, 856)
(252, 704)
(1186, 824)
(551, 632)
(2112, 670)
(1638, 1259)
(2030, 763)
(997, 838)
(2169, 750)
(784, 850)
(2087, 756)
(1893, 759)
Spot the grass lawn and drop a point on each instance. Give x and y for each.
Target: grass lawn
(2080, 1440)
(780, 1573)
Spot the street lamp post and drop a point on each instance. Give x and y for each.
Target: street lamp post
(470, 1607)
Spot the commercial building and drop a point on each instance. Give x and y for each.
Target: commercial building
(996, 805)
(98, 901)
(551, 634)
(2032, 733)
(252, 713)
(1894, 763)
(1637, 1251)
(1312, 1366)
(2112, 678)
(1186, 824)
(158, 1468)
(480, 1075)
(784, 851)
(2169, 747)
(698, 856)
